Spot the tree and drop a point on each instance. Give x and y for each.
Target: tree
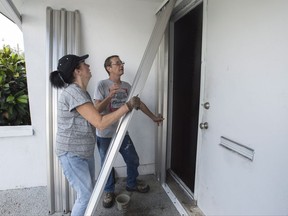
(14, 103)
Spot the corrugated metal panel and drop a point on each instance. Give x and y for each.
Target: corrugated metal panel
(62, 29)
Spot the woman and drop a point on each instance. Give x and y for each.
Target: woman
(77, 119)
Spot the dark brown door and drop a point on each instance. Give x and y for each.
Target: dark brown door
(186, 94)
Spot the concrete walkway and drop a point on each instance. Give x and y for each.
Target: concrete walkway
(24, 202)
(34, 202)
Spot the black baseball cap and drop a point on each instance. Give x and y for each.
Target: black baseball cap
(68, 63)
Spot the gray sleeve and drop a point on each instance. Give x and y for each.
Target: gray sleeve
(75, 97)
(99, 93)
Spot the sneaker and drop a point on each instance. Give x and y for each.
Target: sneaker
(139, 188)
(108, 200)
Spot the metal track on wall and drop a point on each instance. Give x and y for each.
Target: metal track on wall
(163, 17)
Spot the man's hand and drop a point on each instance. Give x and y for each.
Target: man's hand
(158, 119)
(113, 90)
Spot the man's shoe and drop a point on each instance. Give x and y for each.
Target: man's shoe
(108, 200)
(139, 188)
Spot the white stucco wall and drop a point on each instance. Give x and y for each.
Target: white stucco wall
(108, 27)
(246, 85)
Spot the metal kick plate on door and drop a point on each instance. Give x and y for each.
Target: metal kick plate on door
(236, 147)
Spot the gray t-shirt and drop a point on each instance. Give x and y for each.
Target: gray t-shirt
(74, 133)
(120, 98)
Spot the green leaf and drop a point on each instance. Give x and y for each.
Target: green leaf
(10, 99)
(22, 99)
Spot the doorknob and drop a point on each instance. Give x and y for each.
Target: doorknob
(206, 105)
(204, 125)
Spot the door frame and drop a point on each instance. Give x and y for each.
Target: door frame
(179, 11)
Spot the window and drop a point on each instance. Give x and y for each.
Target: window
(14, 103)
(10, 34)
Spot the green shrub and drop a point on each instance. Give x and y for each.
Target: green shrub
(14, 103)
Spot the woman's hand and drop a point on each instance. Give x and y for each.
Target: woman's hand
(133, 103)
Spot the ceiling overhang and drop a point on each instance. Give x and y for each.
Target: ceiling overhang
(8, 9)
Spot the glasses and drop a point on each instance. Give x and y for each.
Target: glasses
(118, 63)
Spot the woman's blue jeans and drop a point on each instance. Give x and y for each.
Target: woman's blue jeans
(80, 174)
(130, 157)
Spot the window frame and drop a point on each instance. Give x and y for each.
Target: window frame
(16, 131)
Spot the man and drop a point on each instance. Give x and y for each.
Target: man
(109, 95)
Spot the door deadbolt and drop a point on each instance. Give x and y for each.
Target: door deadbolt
(204, 125)
(206, 105)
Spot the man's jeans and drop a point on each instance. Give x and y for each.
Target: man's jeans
(130, 157)
(80, 174)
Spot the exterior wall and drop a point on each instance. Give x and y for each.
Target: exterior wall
(246, 75)
(246, 85)
(108, 27)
